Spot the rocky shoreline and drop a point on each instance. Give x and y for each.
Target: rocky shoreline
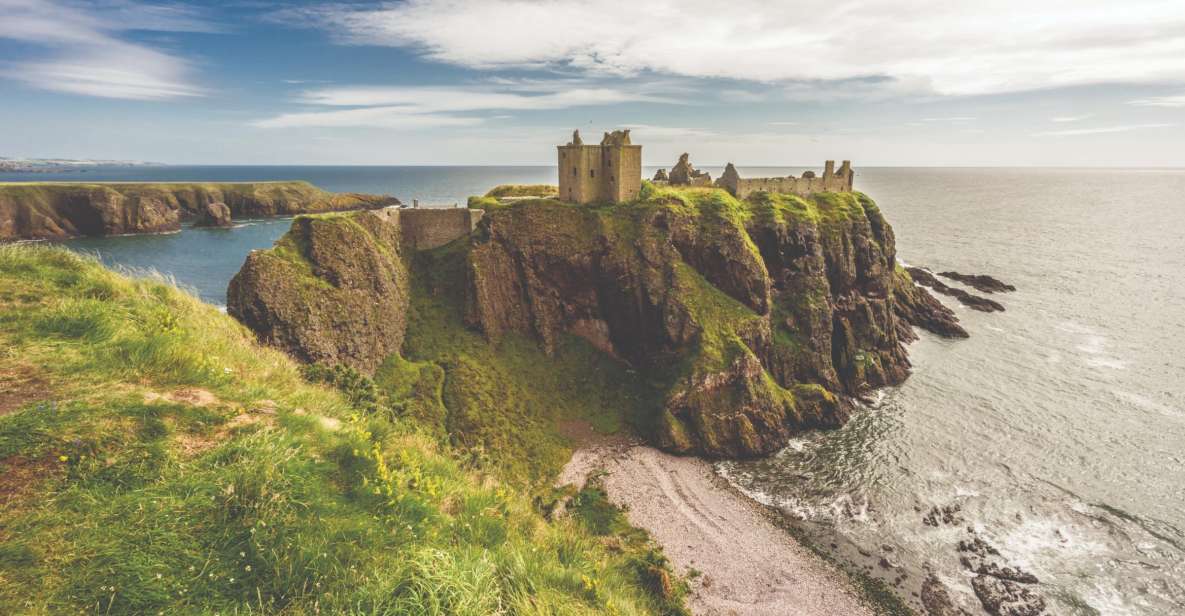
(60, 210)
(739, 562)
(748, 321)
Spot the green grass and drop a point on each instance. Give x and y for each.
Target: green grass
(167, 463)
(507, 396)
(523, 190)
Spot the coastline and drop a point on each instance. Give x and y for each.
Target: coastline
(736, 558)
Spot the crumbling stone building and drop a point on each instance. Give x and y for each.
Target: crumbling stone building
(611, 172)
(832, 181)
(607, 173)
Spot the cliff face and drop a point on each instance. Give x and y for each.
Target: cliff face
(750, 320)
(756, 317)
(333, 290)
(54, 211)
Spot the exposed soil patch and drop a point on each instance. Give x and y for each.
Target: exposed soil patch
(193, 396)
(20, 476)
(20, 385)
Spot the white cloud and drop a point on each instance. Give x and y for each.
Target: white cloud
(663, 133)
(419, 107)
(945, 47)
(1099, 130)
(79, 49)
(1077, 118)
(952, 120)
(1160, 101)
(468, 98)
(379, 117)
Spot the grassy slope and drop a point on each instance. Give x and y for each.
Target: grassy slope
(157, 460)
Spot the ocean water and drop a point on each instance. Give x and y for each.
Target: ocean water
(1058, 428)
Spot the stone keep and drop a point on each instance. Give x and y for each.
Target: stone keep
(607, 173)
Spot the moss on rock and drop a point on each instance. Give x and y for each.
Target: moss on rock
(733, 324)
(333, 290)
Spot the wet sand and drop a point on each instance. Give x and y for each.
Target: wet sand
(747, 565)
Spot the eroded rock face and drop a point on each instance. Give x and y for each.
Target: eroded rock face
(752, 320)
(55, 211)
(75, 210)
(333, 290)
(214, 215)
(759, 328)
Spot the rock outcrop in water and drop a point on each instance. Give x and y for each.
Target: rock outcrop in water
(975, 302)
(753, 320)
(63, 210)
(215, 214)
(980, 282)
(1003, 590)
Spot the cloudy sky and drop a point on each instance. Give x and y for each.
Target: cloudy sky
(881, 82)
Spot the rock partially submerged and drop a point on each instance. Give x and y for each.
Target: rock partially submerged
(1002, 597)
(979, 282)
(1002, 589)
(975, 302)
(936, 599)
(215, 214)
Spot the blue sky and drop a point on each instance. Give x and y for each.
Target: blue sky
(881, 82)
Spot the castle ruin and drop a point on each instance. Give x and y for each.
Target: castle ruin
(832, 181)
(612, 173)
(607, 173)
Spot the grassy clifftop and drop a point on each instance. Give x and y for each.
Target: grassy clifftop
(156, 459)
(752, 318)
(42, 210)
(743, 321)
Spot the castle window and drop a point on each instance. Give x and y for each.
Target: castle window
(592, 173)
(573, 170)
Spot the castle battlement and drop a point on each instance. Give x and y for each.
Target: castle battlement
(610, 172)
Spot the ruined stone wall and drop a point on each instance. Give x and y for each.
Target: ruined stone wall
(427, 228)
(831, 181)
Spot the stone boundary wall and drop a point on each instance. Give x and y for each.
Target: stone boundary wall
(426, 228)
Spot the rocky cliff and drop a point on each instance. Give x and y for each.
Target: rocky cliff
(750, 320)
(61, 210)
(333, 290)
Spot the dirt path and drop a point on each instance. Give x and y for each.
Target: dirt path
(748, 566)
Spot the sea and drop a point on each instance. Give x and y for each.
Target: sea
(1056, 432)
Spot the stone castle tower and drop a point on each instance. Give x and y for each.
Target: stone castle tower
(607, 173)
